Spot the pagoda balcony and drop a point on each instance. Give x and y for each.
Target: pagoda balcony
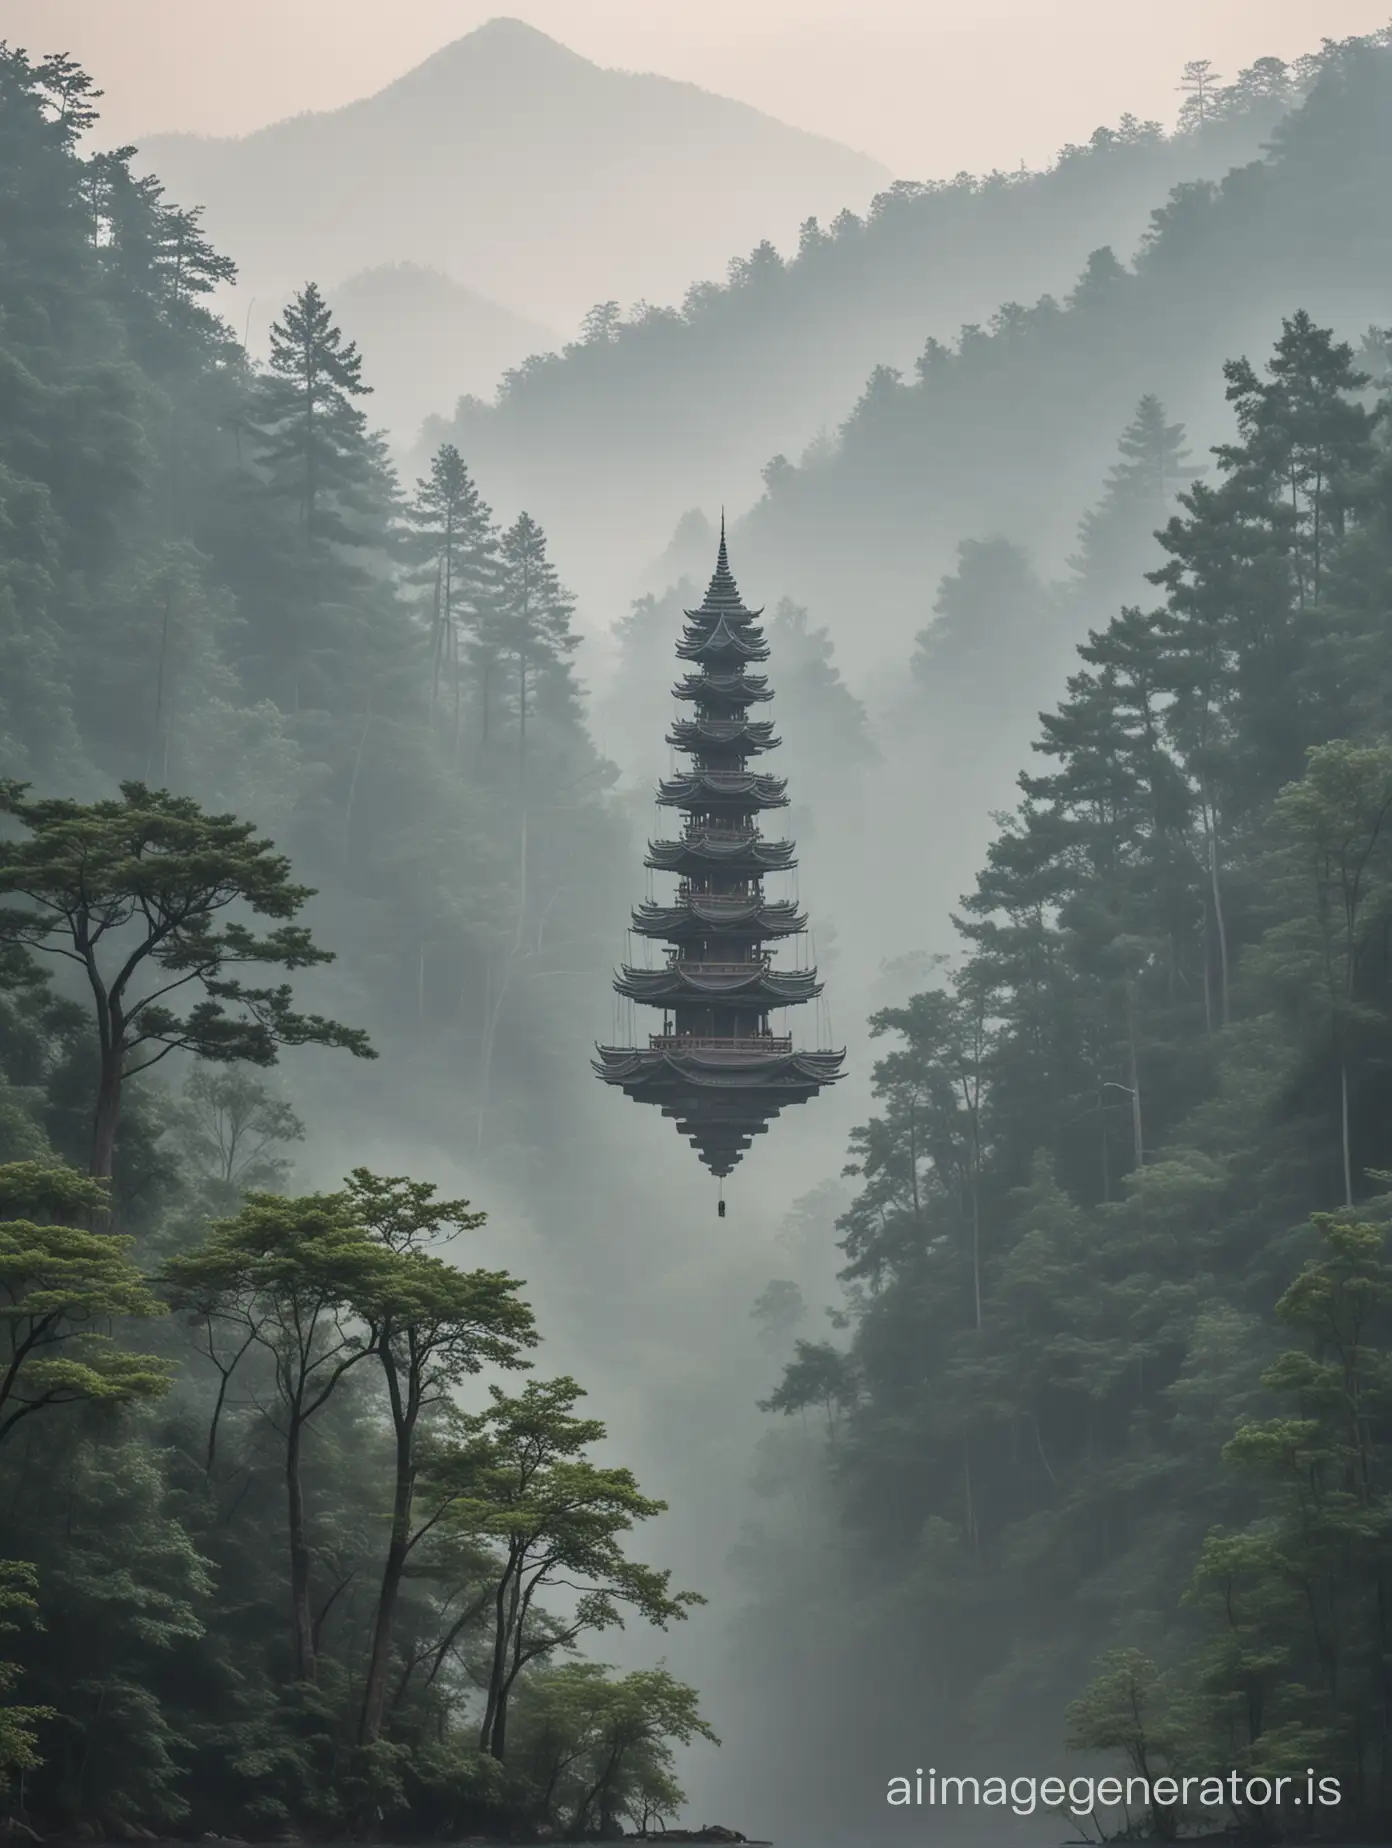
(750, 1046)
(702, 965)
(720, 830)
(736, 901)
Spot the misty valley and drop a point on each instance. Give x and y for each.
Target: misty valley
(914, 716)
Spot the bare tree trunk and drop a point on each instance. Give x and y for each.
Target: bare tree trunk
(498, 994)
(497, 1673)
(1345, 1139)
(439, 633)
(393, 1571)
(1135, 1070)
(302, 1618)
(157, 724)
(107, 1114)
(1222, 929)
(976, 1245)
(353, 780)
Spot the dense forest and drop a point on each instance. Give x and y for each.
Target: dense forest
(314, 858)
(1114, 1412)
(781, 347)
(960, 358)
(1005, 427)
(264, 1568)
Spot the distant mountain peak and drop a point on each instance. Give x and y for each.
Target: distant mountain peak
(510, 159)
(504, 26)
(501, 39)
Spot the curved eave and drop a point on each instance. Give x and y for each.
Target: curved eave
(742, 792)
(762, 987)
(722, 646)
(748, 738)
(724, 689)
(732, 610)
(642, 1070)
(752, 859)
(695, 920)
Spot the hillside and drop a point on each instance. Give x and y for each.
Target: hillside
(617, 436)
(425, 330)
(1009, 429)
(520, 169)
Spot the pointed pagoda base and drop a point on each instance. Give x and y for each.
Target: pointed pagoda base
(721, 1096)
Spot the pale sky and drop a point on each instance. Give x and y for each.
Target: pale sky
(927, 86)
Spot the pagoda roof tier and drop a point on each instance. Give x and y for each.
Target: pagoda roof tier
(721, 640)
(712, 610)
(723, 689)
(741, 856)
(743, 790)
(742, 984)
(722, 593)
(747, 737)
(735, 915)
(740, 622)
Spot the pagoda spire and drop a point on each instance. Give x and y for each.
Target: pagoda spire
(718, 1067)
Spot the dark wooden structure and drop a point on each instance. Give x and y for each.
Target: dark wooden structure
(718, 1067)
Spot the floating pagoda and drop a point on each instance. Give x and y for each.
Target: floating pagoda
(717, 1066)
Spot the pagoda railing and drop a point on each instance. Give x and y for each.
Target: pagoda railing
(731, 777)
(735, 900)
(698, 965)
(724, 830)
(753, 1045)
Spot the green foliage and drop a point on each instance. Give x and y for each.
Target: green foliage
(61, 1287)
(820, 1375)
(132, 892)
(214, 606)
(520, 1478)
(594, 1751)
(1101, 1135)
(18, 1724)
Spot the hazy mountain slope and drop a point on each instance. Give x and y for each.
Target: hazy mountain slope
(616, 437)
(1010, 431)
(426, 332)
(519, 168)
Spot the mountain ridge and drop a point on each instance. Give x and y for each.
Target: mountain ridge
(427, 333)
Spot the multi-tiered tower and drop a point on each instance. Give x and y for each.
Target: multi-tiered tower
(717, 1066)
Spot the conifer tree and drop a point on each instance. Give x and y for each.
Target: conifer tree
(1116, 536)
(456, 551)
(322, 466)
(534, 613)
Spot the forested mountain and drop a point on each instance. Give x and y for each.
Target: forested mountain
(1008, 429)
(1112, 1423)
(660, 407)
(280, 1529)
(598, 182)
